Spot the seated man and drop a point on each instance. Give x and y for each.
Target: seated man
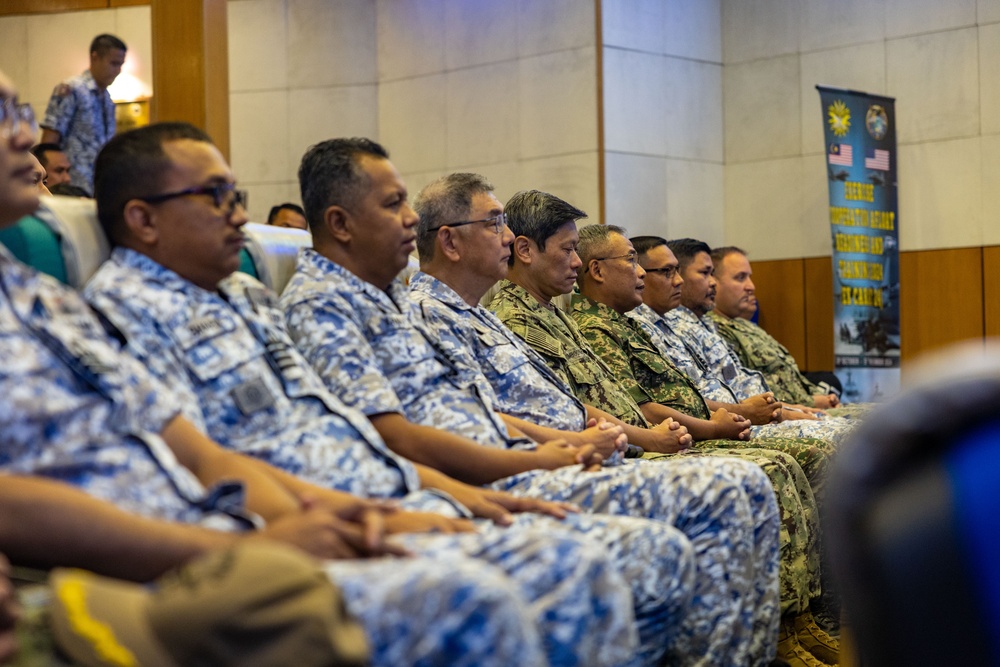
(459, 263)
(217, 339)
(287, 215)
(683, 334)
(735, 304)
(72, 407)
(355, 322)
(295, 614)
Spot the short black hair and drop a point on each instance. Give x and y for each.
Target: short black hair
(686, 249)
(329, 175)
(105, 42)
(445, 201)
(287, 206)
(538, 215)
(643, 244)
(40, 150)
(132, 166)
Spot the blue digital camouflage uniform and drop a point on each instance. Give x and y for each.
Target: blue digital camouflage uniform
(228, 356)
(760, 351)
(703, 342)
(84, 117)
(74, 408)
(799, 570)
(372, 348)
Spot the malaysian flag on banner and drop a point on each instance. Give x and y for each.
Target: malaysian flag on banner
(876, 158)
(841, 154)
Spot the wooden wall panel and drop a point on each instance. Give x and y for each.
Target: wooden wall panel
(781, 299)
(818, 289)
(941, 298)
(191, 65)
(8, 7)
(991, 290)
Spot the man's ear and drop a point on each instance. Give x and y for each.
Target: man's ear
(596, 271)
(140, 222)
(522, 249)
(336, 219)
(447, 243)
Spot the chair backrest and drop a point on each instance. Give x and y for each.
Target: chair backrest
(64, 239)
(912, 519)
(273, 251)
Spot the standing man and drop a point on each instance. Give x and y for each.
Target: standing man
(80, 115)
(55, 162)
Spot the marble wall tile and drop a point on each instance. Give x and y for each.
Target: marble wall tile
(482, 119)
(258, 45)
(558, 103)
(940, 194)
(753, 29)
(696, 201)
(317, 114)
(987, 11)
(411, 38)
(764, 208)
(413, 122)
(265, 195)
(762, 109)
(479, 32)
(635, 102)
(635, 192)
(544, 26)
(936, 78)
(258, 128)
(815, 197)
(859, 67)
(694, 29)
(989, 78)
(331, 43)
(693, 113)
(636, 25)
(831, 25)
(990, 147)
(914, 17)
(570, 177)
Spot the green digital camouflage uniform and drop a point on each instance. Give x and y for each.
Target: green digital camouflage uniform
(555, 336)
(760, 351)
(640, 369)
(36, 645)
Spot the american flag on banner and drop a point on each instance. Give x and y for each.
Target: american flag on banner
(876, 158)
(841, 154)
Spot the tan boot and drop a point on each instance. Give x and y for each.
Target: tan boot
(813, 639)
(791, 651)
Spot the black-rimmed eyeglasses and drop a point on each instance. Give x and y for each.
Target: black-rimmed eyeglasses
(225, 196)
(13, 115)
(666, 271)
(498, 222)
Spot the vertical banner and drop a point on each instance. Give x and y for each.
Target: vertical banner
(860, 132)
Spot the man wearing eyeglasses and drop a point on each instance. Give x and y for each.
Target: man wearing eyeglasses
(355, 322)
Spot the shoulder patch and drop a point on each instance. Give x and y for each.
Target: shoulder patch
(62, 90)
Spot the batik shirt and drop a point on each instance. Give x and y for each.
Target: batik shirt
(239, 377)
(84, 117)
(759, 350)
(632, 356)
(712, 351)
(473, 337)
(75, 409)
(709, 382)
(374, 352)
(555, 337)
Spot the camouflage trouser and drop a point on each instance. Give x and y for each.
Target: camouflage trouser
(36, 647)
(727, 509)
(799, 577)
(832, 430)
(851, 410)
(812, 455)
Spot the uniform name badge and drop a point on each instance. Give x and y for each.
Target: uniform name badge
(728, 372)
(252, 396)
